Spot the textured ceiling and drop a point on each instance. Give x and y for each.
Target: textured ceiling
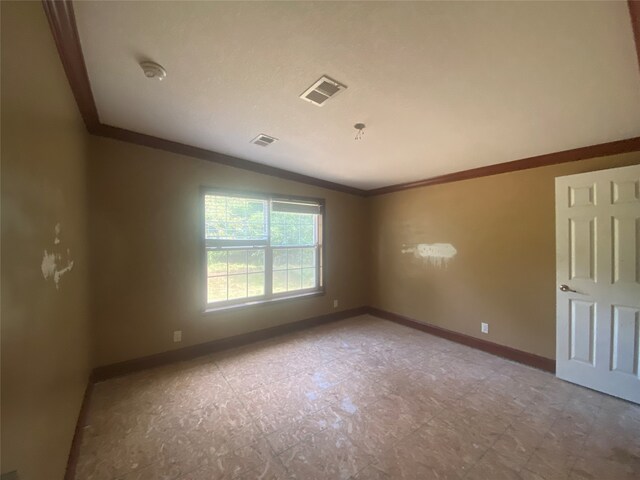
(442, 87)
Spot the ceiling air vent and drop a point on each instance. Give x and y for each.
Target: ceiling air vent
(264, 140)
(322, 90)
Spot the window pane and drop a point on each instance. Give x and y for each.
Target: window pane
(278, 230)
(291, 218)
(256, 260)
(295, 258)
(294, 281)
(292, 235)
(308, 219)
(232, 218)
(278, 234)
(222, 287)
(237, 261)
(289, 228)
(294, 269)
(308, 277)
(308, 257)
(279, 259)
(277, 218)
(216, 289)
(307, 235)
(234, 230)
(216, 262)
(256, 284)
(237, 286)
(279, 281)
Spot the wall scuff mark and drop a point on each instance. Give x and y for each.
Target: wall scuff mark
(437, 254)
(56, 241)
(48, 264)
(51, 265)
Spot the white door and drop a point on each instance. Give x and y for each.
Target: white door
(598, 280)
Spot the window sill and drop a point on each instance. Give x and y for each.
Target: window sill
(317, 293)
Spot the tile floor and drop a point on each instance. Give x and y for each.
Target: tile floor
(358, 399)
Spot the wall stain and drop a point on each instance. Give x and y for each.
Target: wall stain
(51, 265)
(437, 254)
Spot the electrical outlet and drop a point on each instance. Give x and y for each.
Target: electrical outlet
(335, 304)
(177, 336)
(484, 327)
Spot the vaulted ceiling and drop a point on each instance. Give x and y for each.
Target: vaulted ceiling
(441, 86)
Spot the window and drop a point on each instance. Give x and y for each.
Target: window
(260, 248)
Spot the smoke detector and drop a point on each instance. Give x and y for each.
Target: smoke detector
(322, 90)
(153, 70)
(264, 140)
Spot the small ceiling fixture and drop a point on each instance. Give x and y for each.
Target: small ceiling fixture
(264, 140)
(322, 90)
(153, 70)
(360, 130)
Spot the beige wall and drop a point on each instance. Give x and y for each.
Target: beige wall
(146, 257)
(504, 271)
(45, 331)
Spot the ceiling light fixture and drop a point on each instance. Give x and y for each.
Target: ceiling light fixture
(360, 130)
(153, 70)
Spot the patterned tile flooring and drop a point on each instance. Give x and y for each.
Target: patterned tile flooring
(361, 399)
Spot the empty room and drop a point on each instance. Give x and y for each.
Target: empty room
(320, 240)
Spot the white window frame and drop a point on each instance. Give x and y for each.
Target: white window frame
(269, 296)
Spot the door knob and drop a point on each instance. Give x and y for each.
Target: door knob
(566, 288)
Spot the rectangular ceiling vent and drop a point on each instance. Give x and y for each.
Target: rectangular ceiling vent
(322, 90)
(264, 140)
